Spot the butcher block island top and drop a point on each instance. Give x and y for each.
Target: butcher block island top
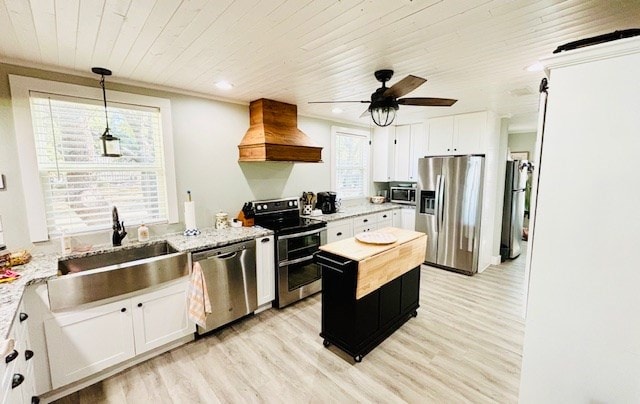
(380, 263)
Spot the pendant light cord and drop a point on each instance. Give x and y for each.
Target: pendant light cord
(104, 97)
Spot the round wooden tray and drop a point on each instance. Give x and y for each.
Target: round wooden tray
(376, 238)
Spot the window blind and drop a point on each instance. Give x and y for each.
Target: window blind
(80, 187)
(352, 165)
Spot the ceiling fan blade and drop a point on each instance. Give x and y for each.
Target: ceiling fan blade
(365, 113)
(427, 102)
(331, 102)
(404, 86)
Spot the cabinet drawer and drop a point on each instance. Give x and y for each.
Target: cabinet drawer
(343, 229)
(364, 228)
(366, 220)
(384, 216)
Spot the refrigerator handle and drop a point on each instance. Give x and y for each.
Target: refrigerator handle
(440, 199)
(437, 202)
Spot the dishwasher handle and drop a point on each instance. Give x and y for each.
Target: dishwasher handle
(222, 253)
(223, 256)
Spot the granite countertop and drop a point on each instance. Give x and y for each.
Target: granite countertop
(43, 267)
(358, 210)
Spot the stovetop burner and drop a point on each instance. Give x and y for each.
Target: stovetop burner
(283, 217)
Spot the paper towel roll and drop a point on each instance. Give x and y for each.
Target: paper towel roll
(190, 215)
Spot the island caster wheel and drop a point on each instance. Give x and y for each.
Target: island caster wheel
(326, 343)
(357, 358)
(415, 313)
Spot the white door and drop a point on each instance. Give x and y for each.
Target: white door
(84, 342)
(440, 138)
(469, 133)
(397, 218)
(265, 269)
(161, 317)
(402, 153)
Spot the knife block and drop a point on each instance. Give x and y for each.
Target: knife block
(246, 222)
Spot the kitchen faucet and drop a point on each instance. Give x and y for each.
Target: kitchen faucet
(119, 232)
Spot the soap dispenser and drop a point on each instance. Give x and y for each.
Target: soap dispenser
(143, 233)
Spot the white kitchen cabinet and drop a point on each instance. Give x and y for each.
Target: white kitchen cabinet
(408, 218)
(397, 218)
(402, 153)
(160, 317)
(418, 149)
(265, 270)
(384, 219)
(396, 150)
(383, 153)
(18, 363)
(363, 228)
(83, 342)
(339, 230)
(457, 134)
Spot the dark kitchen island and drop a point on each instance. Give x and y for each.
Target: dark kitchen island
(369, 290)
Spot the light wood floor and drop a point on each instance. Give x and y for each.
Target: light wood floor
(464, 346)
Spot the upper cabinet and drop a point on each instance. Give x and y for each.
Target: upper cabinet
(457, 134)
(396, 150)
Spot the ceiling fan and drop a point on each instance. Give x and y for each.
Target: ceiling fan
(385, 101)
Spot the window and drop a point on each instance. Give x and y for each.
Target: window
(75, 188)
(350, 161)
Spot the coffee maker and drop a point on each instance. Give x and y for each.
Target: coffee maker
(326, 201)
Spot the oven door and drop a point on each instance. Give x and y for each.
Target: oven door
(298, 275)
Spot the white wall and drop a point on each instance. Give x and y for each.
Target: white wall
(206, 135)
(523, 142)
(582, 334)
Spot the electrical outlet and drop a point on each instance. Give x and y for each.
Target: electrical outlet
(2, 182)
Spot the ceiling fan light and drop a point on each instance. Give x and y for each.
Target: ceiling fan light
(383, 115)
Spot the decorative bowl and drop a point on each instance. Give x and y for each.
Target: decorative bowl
(377, 199)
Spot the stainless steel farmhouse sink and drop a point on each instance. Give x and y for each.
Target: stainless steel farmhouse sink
(100, 276)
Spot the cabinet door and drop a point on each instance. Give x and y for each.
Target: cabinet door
(469, 133)
(265, 270)
(383, 157)
(161, 317)
(339, 230)
(440, 138)
(402, 153)
(397, 218)
(408, 218)
(418, 149)
(84, 342)
(364, 228)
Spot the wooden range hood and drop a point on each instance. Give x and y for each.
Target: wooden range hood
(273, 135)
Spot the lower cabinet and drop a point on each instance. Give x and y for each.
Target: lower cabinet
(358, 325)
(16, 369)
(83, 342)
(408, 218)
(339, 230)
(265, 270)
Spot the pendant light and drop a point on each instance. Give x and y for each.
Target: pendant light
(110, 144)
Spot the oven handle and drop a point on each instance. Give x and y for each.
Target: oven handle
(296, 261)
(306, 233)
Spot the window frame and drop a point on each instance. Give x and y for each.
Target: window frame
(353, 132)
(21, 87)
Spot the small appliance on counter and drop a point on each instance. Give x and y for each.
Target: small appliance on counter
(326, 201)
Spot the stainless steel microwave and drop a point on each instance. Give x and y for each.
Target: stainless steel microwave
(403, 195)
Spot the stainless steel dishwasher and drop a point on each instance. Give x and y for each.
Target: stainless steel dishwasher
(230, 275)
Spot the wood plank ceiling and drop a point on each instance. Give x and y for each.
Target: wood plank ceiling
(308, 50)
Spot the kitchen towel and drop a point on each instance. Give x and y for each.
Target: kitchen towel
(199, 304)
(190, 215)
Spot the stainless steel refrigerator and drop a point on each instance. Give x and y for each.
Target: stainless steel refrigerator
(449, 207)
(513, 209)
